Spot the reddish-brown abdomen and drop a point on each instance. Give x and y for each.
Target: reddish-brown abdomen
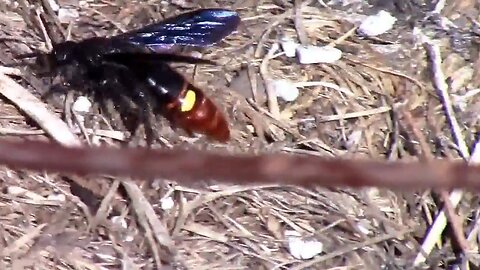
(203, 117)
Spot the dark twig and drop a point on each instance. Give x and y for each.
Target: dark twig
(298, 19)
(191, 166)
(427, 156)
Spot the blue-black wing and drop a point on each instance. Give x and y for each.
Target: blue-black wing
(199, 28)
(137, 58)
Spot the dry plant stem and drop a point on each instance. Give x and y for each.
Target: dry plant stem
(203, 199)
(69, 195)
(440, 85)
(102, 211)
(253, 83)
(385, 70)
(271, 95)
(448, 208)
(333, 86)
(10, 71)
(439, 6)
(50, 12)
(279, 19)
(336, 117)
(80, 124)
(105, 17)
(139, 201)
(343, 37)
(20, 132)
(37, 110)
(267, 32)
(187, 166)
(22, 241)
(299, 27)
(351, 248)
(60, 132)
(39, 22)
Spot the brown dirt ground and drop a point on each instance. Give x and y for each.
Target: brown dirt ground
(231, 227)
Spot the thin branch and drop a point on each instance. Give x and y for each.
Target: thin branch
(455, 196)
(37, 110)
(191, 166)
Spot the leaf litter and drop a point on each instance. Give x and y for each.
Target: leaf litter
(352, 108)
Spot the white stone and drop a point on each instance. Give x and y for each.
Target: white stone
(82, 105)
(16, 190)
(57, 197)
(302, 249)
(377, 24)
(289, 47)
(285, 90)
(119, 221)
(316, 54)
(67, 15)
(167, 203)
(53, 4)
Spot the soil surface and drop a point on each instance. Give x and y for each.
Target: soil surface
(379, 101)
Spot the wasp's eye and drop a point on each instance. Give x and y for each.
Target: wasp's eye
(63, 52)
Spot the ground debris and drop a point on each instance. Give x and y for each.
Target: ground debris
(361, 106)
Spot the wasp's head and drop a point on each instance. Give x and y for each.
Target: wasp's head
(62, 53)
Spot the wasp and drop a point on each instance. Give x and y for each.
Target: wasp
(139, 60)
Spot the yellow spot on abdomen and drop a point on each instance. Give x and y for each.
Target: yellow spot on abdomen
(188, 101)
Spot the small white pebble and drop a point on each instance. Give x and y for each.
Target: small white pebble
(21, 192)
(83, 4)
(289, 47)
(67, 15)
(196, 54)
(167, 203)
(82, 105)
(354, 138)
(56, 197)
(285, 90)
(119, 221)
(95, 140)
(16, 190)
(363, 226)
(302, 249)
(129, 238)
(54, 5)
(316, 54)
(377, 24)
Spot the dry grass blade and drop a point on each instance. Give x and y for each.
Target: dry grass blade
(10, 71)
(202, 199)
(351, 248)
(268, 80)
(150, 222)
(440, 84)
(440, 222)
(102, 211)
(207, 232)
(22, 241)
(328, 118)
(37, 110)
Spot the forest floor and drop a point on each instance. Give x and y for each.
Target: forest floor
(377, 102)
